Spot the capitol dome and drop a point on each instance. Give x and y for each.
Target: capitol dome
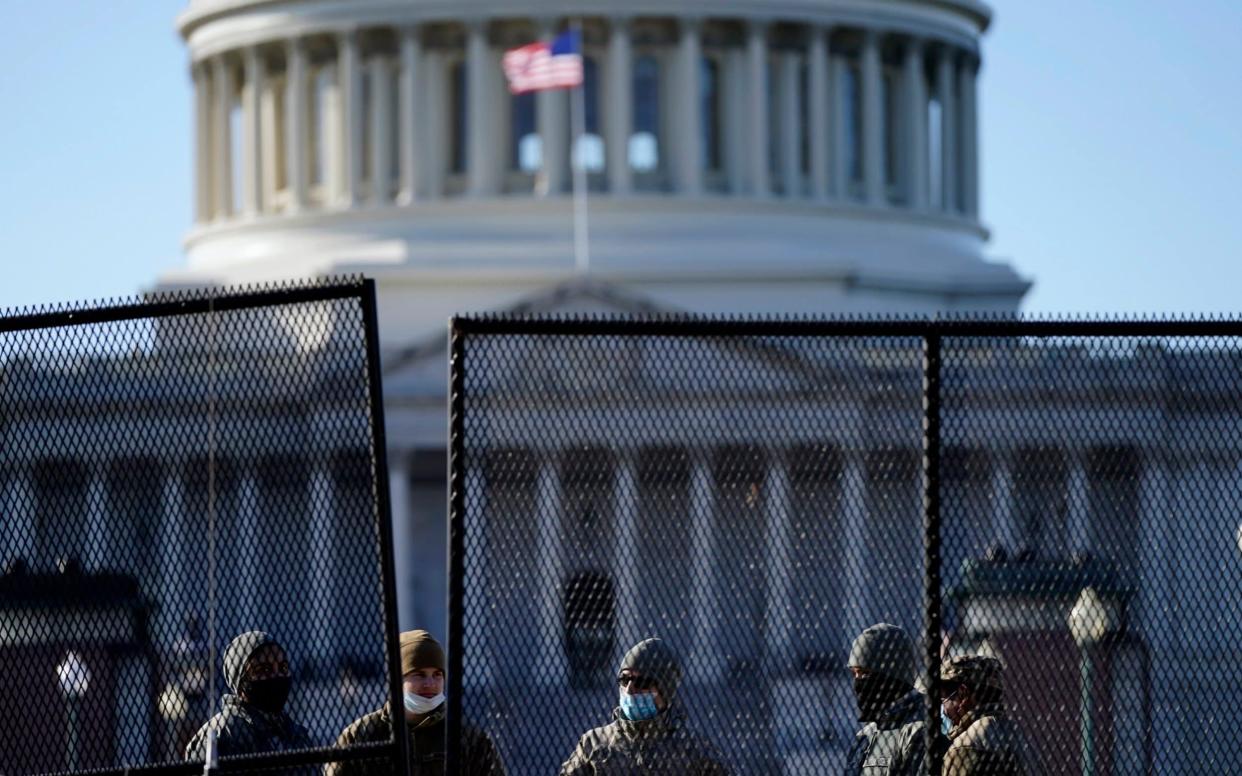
(755, 156)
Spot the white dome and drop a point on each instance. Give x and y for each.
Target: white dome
(830, 166)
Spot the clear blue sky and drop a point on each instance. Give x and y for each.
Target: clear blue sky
(1111, 150)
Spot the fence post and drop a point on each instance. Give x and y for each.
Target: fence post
(456, 542)
(931, 542)
(383, 505)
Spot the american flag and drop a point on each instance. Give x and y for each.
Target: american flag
(539, 66)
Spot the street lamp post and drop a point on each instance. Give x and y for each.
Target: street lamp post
(1090, 621)
(75, 679)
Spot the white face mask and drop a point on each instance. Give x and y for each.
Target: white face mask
(417, 704)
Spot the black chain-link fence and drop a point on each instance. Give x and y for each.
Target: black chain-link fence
(174, 474)
(1063, 497)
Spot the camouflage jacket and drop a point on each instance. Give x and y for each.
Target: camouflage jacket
(244, 729)
(987, 742)
(894, 744)
(660, 746)
(426, 748)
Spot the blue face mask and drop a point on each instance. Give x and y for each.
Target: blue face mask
(946, 724)
(638, 707)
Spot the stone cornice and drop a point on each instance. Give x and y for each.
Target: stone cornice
(211, 26)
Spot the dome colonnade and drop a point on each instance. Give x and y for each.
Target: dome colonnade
(314, 108)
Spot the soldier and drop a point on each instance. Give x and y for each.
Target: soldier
(892, 711)
(983, 740)
(422, 669)
(648, 733)
(252, 720)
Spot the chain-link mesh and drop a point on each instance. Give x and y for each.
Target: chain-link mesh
(175, 474)
(752, 493)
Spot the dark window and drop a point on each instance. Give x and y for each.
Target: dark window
(644, 148)
(710, 102)
(525, 145)
(852, 107)
(459, 99)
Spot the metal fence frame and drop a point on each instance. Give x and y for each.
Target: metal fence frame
(207, 302)
(931, 331)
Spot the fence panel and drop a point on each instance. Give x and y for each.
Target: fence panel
(751, 492)
(176, 473)
(754, 501)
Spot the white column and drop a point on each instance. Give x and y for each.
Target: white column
(838, 68)
(202, 144)
(318, 624)
(247, 581)
(873, 122)
(177, 554)
(915, 139)
(969, 151)
(132, 696)
(552, 663)
(270, 142)
(625, 552)
(948, 129)
(252, 162)
(707, 664)
(380, 108)
(857, 603)
(553, 120)
(619, 116)
(757, 112)
(332, 165)
(479, 107)
(296, 158)
(779, 543)
(790, 123)
(689, 141)
(222, 156)
(817, 98)
(1156, 598)
(411, 59)
(402, 539)
(18, 525)
(98, 524)
(1004, 526)
(1078, 520)
(350, 118)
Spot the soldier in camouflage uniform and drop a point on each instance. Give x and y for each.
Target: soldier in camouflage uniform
(892, 711)
(983, 740)
(422, 668)
(648, 733)
(252, 719)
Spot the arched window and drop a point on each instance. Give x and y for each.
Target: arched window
(525, 144)
(710, 103)
(644, 144)
(589, 149)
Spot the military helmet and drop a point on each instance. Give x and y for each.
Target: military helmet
(977, 672)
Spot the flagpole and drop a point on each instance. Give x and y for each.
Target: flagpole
(582, 244)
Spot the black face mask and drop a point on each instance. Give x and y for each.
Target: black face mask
(267, 694)
(875, 694)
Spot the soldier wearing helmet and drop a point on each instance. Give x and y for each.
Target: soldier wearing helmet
(982, 738)
(890, 708)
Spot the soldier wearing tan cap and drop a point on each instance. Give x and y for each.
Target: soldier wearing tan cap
(983, 740)
(422, 670)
